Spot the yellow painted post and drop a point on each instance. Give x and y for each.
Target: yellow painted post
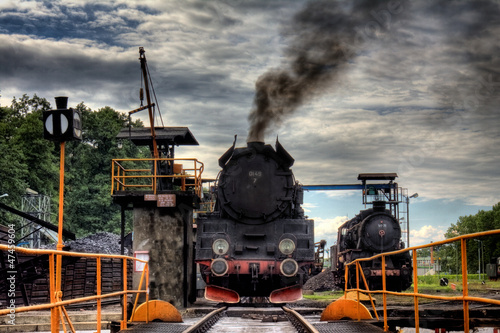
(415, 291)
(154, 177)
(98, 259)
(59, 309)
(54, 314)
(70, 324)
(146, 267)
(346, 277)
(138, 295)
(384, 294)
(112, 176)
(369, 294)
(357, 287)
(124, 179)
(123, 325)
(465, 288)
(57, 317)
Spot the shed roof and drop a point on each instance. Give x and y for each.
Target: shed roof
(164, 135)
(377, 176)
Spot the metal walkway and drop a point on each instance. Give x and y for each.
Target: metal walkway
(154, 327)
(323, 327)
(347, 327)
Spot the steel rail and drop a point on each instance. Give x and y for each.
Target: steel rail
(206, 322)
(304, 325)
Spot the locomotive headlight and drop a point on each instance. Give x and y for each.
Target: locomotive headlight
(220, 246)
(219, 267)
(289, 267)
(287, 246)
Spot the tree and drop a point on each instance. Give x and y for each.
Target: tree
(89, 206)
(28, 160)
(489, 246)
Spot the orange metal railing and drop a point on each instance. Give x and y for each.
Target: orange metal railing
(57, 304)
(143, 174)
(465, 298)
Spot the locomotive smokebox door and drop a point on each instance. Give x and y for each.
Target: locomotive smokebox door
(254, 173)
(62, 124)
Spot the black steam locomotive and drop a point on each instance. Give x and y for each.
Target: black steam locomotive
(371, 232)
(257, 242)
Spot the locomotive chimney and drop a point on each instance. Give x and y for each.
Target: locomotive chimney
(254, 138)
(255, 144)
(61, 102)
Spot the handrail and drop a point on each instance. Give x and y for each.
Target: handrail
(55, 297)
(121, 175)
(465, 298)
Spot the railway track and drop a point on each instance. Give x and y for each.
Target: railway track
(236, 319)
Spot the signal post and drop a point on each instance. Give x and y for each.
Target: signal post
(60, 125)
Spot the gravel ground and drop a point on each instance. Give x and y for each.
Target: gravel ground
(321, 282)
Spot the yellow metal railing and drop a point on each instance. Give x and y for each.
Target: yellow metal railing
(465, 298)
(56, 304)
(132, 174)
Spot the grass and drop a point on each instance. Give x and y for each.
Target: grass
(325, 295)
(426, 285)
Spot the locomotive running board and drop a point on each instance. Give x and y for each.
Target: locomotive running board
(219, 294)
(285, 295)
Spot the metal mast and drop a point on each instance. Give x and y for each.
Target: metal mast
(142, 58)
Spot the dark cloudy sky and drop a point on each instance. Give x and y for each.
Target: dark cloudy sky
(415, 89)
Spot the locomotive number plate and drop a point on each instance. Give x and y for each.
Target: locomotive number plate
(166, 200)
(149, 197)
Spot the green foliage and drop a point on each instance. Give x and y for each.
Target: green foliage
(89, 206)
(488, 247)
(28, 160)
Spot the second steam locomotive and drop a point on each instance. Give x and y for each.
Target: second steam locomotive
(257, 242)
(371, 232)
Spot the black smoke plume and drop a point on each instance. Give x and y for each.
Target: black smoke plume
(323, 38)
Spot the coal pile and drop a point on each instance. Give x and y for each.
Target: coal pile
(321, 282)
(102, 242)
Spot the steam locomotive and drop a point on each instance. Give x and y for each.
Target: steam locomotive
(371, 232)
(257, 241)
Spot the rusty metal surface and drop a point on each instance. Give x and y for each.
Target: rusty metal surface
(347, 327)
(155, 327)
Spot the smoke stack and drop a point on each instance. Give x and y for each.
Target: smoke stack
(61, 102)
(379, 206)
(255, 144)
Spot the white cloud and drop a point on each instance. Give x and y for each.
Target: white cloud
(327, 228)
(408, 104)
(427, 234)
(309, 207)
